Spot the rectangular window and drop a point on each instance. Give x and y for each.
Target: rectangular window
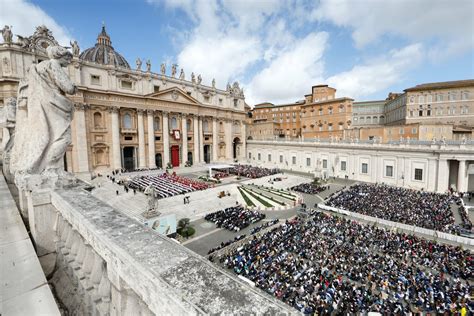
(420, 113)
(207, 99)
(259, 156)
(325, 164)
(128, 137)
(95, 79)
(293, 160)
(308, 162)
(156, 89)
(250, 155)
(157, 138)
(389, 171)
(365, 168)
(343, 166)
(418, 174)
(236, 103)
(281, 158)
(413, 130)
(220, 103)
(269, 157)
(126, 84)
(402, 131)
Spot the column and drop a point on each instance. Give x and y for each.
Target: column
(196, 139)
(141, 140)
(443, 176)
(228, 139)
(201, 141)
(184, 136)
(215, 133)
(166, 140)
(462, 176)
(116, 155)
(151, 139)
(82, 150)
(243, 148)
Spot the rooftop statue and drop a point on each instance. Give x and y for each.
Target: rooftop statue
(24, 42)
(43, 118)
(163, 68)
(139, 64)
(199, 79)
(7, 34)
(214, 83)
(173, 70)
(181, 75)
(148, 65)
(193, 77)
(75, 48)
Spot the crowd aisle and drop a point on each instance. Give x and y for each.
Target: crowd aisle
(424, 209)
(330, 264)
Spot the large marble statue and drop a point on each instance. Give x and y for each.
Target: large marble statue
(152, 198)
(75, 48)
(139, 64)
(7, 120)
(7, 34)
(193, 77)
(148, 65)
(163, 68)
(199, 79)
(173, 70)
(181, 74)
(43, 118)
(214, 83)
(24, 42)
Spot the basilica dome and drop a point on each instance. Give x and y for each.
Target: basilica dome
(103, 52)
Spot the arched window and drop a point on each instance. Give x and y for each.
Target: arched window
(97, 120)
(421, 99)
(174, 123)
(127, 121)
(188, 124)
(156, 124)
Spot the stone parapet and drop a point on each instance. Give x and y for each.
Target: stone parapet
(109, 263)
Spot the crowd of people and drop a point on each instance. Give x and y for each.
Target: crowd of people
(227, 243)
(329, 265)
(424, 209)
(166, 184)
(309, 188)
(252, 172)
(234, 218)
(263, 226)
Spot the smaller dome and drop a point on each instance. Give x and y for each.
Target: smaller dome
(103, 51)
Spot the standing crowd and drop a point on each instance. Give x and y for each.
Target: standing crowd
(234, 218)
(252, 172)
(424, 209)
(328, 265)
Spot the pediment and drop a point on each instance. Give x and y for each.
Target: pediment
(175, 95)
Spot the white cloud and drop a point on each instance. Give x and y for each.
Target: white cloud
(369, 78)
(25, 17)
(291, 74)
(445, 21)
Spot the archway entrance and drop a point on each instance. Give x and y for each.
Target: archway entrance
(175, 156)
(129, 158)
(207, 153)
(158, 161)
(236, 147)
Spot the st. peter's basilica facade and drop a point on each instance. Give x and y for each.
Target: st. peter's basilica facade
(134, 118)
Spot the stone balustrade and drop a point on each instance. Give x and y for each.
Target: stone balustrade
(109, 264)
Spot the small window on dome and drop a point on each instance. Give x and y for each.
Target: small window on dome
(126, 84)
(95, 79)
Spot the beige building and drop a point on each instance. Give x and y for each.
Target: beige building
(283, 119)
(135, 118)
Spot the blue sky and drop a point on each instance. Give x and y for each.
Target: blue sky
(276, 49)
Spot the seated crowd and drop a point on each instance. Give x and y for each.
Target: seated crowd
(419, 208)
(309, 188)
(167, 185)
(234, 218)
(252, 172)
(330, 265)
(225, 244)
